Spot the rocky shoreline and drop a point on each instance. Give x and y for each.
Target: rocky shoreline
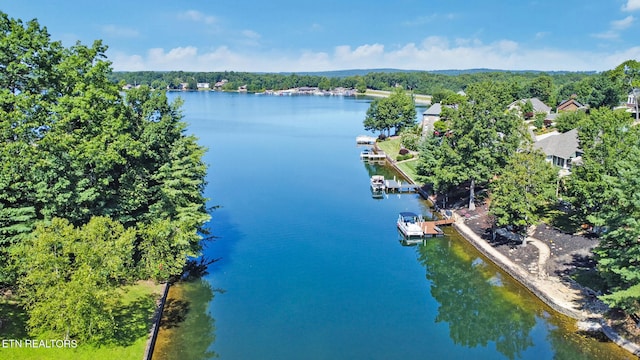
(544, 267)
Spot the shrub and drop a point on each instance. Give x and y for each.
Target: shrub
(403, 151)
(404, 157)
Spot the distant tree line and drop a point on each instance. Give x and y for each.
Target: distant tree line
(591, 88)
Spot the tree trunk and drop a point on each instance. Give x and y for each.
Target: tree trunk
(472, 195)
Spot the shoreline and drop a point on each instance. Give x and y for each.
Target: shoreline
(568, 299)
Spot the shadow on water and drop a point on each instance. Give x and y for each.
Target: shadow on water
(483, 306)
(226, 233)
(472, 303)
(187, 329)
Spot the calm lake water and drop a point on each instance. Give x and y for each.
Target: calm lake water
(311, 266)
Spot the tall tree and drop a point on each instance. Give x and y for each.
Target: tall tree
(523, 190)
(483, 137)
(604, 191)
(396, 111)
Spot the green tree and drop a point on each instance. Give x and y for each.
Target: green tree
(69, 275)
(396, 111)
(604, 191)
(483, 137)
(569, 120)
(96, 171)
(523, 190)
(361, 86)
(542, 88)
(605, 138)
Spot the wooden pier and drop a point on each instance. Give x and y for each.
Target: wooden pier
(399, 186)
(432, 228)
(365, 140)
(370, 155)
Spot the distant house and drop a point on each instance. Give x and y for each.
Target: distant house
(220, 84)
(570, 105)
(562, 149)
(538, 106)
(203, 86)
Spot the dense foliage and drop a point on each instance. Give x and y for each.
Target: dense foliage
(396, 111)
(552, 87)
(96, 189)
(604, 191)
(480, 140)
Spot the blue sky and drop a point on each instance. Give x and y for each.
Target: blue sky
(301, 35)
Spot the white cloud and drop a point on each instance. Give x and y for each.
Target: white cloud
(631, 5)
(120, 31)
(434, 53)
(606, 35)
(542, 35)
(197, 16)
(622, 24)
(250, 34)
(616, 26)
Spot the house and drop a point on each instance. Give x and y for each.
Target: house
(430, 116)
(220, 84)
(570, 105)
(562, 149)
(203, 86)
(538, 106)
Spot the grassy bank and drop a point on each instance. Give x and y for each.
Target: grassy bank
(133, 320)
(391, 147)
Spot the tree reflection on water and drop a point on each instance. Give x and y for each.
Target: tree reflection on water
(473, 303)
(187, 329)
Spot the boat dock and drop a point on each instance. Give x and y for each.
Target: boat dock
(415, 229)
(365, 140)
(371, 155)
(393, 185)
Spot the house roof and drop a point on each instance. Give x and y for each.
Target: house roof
(563, 145)
(568, 102)
(538, 106)
(433, 110)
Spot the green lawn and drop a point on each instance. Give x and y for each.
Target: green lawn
(409, 168)
(133, 320)
(391, 147)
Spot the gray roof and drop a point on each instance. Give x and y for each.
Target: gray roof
(538, 106)
(433, 110)
(563, 145)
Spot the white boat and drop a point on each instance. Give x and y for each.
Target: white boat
(377, 183)
(408, 224)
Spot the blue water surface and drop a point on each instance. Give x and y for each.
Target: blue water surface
(310, 263)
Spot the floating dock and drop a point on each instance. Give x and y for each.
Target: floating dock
(398, 186)
(365, 140)
(370, 155)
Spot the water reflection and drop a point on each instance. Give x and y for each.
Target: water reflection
(187, 330)
(473, 304)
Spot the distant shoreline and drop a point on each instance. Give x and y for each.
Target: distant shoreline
(419, 99)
